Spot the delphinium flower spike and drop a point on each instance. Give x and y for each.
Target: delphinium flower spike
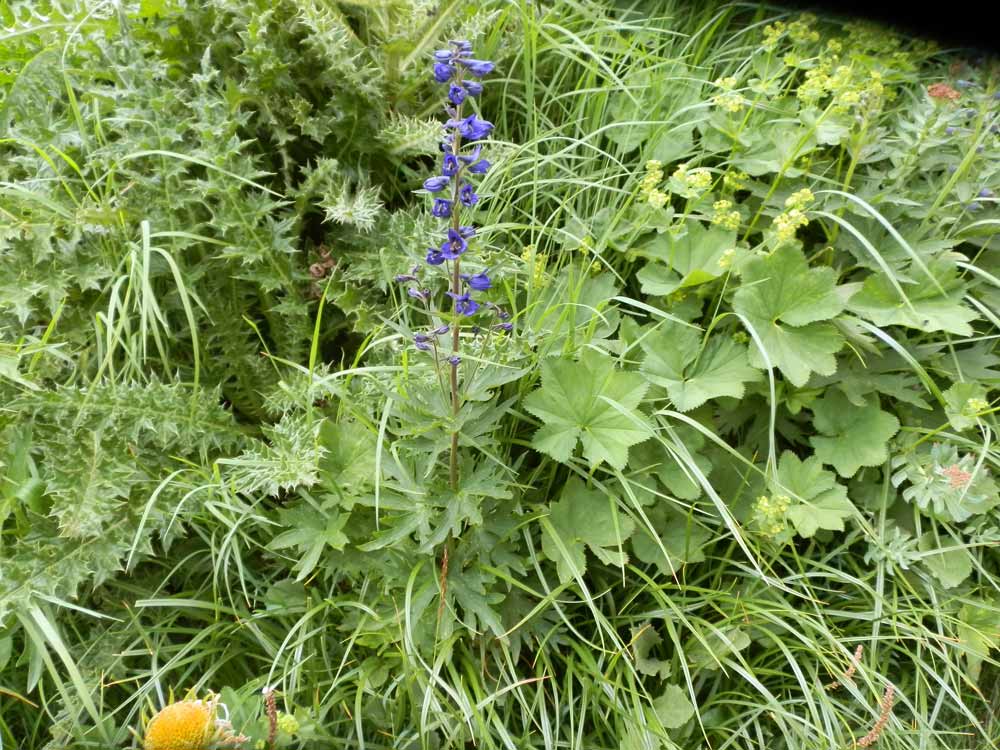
(454, 192)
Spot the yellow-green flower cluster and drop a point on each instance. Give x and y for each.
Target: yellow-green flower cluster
(287, 723)
(770, 514)
(725, 260)
(735, 180)
(729, 100)
(975, 406)
(725, 216)
(800, 199)
(788, 223)
(537, 263)
(800, 31)
(691, 182)
(849, 85)
(772, 33)
(648, 187)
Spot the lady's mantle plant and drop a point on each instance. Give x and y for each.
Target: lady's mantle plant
(455, 193)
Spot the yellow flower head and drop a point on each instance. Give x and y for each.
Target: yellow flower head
(191, 724)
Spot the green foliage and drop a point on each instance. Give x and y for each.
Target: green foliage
(588, 402)
(745, 420)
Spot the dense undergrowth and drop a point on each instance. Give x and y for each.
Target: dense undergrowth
(742, 427)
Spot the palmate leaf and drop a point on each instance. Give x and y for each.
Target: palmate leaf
(673, 708)
(785, 302)
(978, 632)
(691, 374)
(584, 402)
(686, 260)
(580, 519)
(949, 566)
(644, 640)
(852, 436)
(816, 500)
(927, 307)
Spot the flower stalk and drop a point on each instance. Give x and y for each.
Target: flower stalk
(457, 68)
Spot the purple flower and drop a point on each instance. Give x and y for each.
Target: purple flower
(442, 208)
(473, 88)
(975, 206)
(450, 168)
(404, 277)
(441, 330)
(471, 156)
(504, 327)
(462, 47)
(467, 196)
(423, 294)
(434, 257)
(478, 68)
(456, 94)
(464, 304)
(454, 246)
(454, 359)
(467, 232)
(443, 72)
(443, 55)
(985, 193)
(480, 167)
(471, 128)
(950, 130)
(479, 282)
(436, 184)
(422, 342)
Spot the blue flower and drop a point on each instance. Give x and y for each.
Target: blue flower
(472, 155)
(434, 257)
(473, 88)
(467, 232)
(950, 130)
(478, 68)
(441, 330)
(504, 327)
(422, 342)
(467, 196)
(443, 72)
(423, 294)
(965, 84)
(464, 304)
(436, 184)
(462, 46)
(454, 360)
(442, 208)
(985, 193)
(471, 128)
(456, 94)
(480, 282)
(975, 206)
(480, 167)
(454, 246)
(443, 55)
(450, 168)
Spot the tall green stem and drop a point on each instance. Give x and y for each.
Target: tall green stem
(456, 289)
